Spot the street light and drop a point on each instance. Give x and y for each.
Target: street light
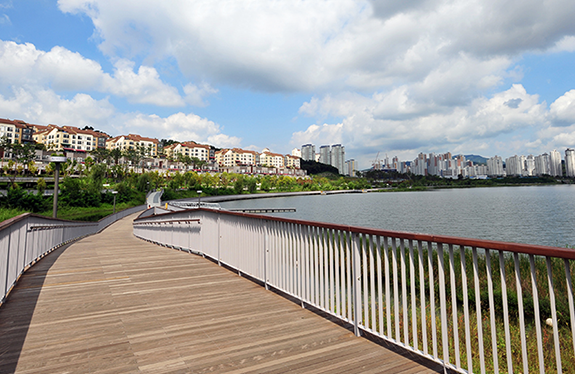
(114, 193)
(56, 160)
(199, 195)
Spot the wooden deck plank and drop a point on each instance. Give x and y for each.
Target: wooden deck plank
(112, 303)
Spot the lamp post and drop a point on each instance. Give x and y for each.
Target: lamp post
(114, 193)
(199, 195)
(56, 160)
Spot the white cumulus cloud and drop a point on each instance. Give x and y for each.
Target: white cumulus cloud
(182, 127)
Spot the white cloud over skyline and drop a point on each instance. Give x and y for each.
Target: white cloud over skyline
(393, 76)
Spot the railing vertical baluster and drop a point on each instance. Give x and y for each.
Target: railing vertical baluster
(363, 240)
(395, 289)
(422, 297)
(266, 255)
(387, 288)
(442, 303)
(332, 268)
(348, 275)
(432, 298)
(568, 281)
(316, 269)
(492, 322)
(454, 313)
(301, 277)
(505, 312)
(356, 274)
(338, 268)
(404, 297)
(478, 310)
(413, 294)
(535, 294)
(307, 259)
(322, 268)
(554, 316)
(379, 284)
(293, 259)
(466, 309)
(372, 282)
(570, 298)
(278, 255)
(521, 313)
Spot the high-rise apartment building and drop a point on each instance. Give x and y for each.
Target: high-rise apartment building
(308, 152)
(350, 168)
(325, 154)
(495, 166)
(555, 168)
(542, 164)
(570, 162)
(337, 156)
(515, 165)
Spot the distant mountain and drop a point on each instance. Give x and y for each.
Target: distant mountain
(476, 159)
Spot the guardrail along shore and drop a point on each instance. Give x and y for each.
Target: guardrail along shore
(471, 305)
(27, 238)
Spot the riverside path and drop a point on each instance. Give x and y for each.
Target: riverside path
(111, 303)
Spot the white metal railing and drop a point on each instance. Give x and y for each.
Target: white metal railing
(471, 305)
(27, 238)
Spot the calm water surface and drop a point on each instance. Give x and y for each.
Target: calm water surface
(542, 215)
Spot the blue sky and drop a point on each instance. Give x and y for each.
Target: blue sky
(396, 77)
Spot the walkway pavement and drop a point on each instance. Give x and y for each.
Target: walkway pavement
(111, 303)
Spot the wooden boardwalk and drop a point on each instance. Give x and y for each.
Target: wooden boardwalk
(112, 303)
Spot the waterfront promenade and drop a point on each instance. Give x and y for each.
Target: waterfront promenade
(111, 303)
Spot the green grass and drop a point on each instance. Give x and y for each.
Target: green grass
(6, 213)
(90, 214)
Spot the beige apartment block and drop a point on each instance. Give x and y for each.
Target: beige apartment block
(236, 156)
(190, 149)
(292, 162)
(132, 141)
(66, 138)
(10, 129)
(268, 158)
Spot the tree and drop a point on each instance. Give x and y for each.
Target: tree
(101, 154)
(5, 146)
(24, 153)
(252, 185)
(239, 185)
(133, 156)
(116, 154)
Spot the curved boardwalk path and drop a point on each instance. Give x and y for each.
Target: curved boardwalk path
(111, 303)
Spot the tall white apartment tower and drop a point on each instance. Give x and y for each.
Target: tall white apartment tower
(542, 164)
(338, 157)
(325, 154)
(555, 168)
(570, 162)
(308, 152)
(495, 166)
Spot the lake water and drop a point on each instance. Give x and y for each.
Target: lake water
(543, 215)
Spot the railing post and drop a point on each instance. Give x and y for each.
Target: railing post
(219, 240)
(6, 286)
(266, 249)
(356, 285)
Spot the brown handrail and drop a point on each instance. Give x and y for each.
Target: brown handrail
(538, 250)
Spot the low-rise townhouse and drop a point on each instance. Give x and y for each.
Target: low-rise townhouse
(65, 138)
(17, 131)
(268, 158)
(190, 149)
(133, 141)
(236, 156)
(292, 162)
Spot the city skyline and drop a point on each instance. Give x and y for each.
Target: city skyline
(364, 74)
